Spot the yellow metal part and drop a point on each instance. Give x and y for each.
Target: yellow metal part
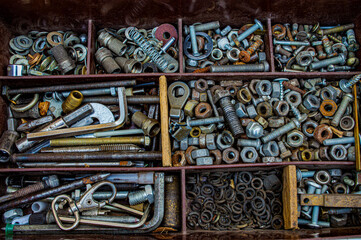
(331, 200)
(356, 129)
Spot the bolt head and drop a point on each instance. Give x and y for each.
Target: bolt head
(313, 184)
(259, 24)
(149, 193)
(254, 130)
(51, 181)
(146, 141)
(313, 225)
(306, 215)
(219, 94)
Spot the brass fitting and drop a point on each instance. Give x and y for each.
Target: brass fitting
(129, 65)
(150, 126)
(328, 108)
(73, 101)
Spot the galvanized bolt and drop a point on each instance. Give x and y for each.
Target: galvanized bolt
(280, 80)
(294, 123)
(333, 68)
(312, 186)
(346, 85)
(339, 211)
(141, 196)
(295, 111)
(205, 121)
(320, 223)
(249, 31)
(290, 43)
(249, 143)
(261, 67)
(307, 174)
(341, 109)
(315, 213)
(336, 141)
(192, 32)
(167, 45)
(340, 59)
(203, 27)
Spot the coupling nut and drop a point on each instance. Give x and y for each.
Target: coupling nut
(150, 126)
(73, 101)
(65, 62)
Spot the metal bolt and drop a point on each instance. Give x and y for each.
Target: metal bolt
(333, 211)
(341, 109)
(336, 141)
(249, 31)
(205, 121)
(312, 186)
(295, 111)
(336, 29)
(262, 67)
(141, 196)
(280, 80)
(333, 68)
(203, 27)
(282, 51)
(167, 45)
(294, 123)
(315, 214)
(215, 110)
(307, 174)
(306, 222)
(249, 143)
(348, 181)
(290, 43)
(192, 32)
(346, 85)
(341, 59)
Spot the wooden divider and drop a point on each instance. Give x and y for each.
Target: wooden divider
(289, 197)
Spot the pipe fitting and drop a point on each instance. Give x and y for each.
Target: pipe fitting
(150, 126)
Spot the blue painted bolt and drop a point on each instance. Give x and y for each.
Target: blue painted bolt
(301, 174)
(320, 223)
(168, 44)
(249, 31)
(192, 32)
(315, 213)
(336, 141)
(226, 30)
(307, 214)
(339, 211)
(290, 43)
(312, 186)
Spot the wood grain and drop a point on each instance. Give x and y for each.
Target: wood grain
(166, 149)
(289, 197)
(331, 200)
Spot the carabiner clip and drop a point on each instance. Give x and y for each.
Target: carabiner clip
(73, 208)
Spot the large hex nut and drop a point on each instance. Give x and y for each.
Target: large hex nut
(188, 155)
(203, 110)
(270, 149)
(264, 109)
(249, 155)
(204, 161)
(230, 155)
(329, 92)
(201, 85)
(338, 152)
(311, 102)
(198, 153)
(211, 141)
(189, 107)
(240, 110)
(251, 111)
(339, 220)
(224, 140)
(322, 132)
(281, 108)
(264, 88)
(179, 159)
(276, 122)
(254, 130)
(294, 98)
(322, 177)
(328, 108)
(309, 127)
(295, 138)
(244, 95)
(217, 156)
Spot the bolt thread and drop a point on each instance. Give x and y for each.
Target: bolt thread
(279, 132)
(29, 189)
(137, 197)
(282, 93)
(338, 29)
(231, 117)
(353, 81)
(295, 111)
(119, 147)
(293, 88)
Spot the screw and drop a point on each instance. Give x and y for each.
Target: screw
(215, 110)
(282, 51)
(262, 67)
(341, 109)
(203, 27)
(346, 85)
(204, 121)
(280, 80)
(141, 196)
(336, 141)
(295, 111)
(341, 59)
(249, 31)
(294, 123)
(192, 32)
(290, 43)
(353, 46)
(293, 88)
(333, 68)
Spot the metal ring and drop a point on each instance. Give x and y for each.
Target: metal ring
(51, 40)
(26, 107)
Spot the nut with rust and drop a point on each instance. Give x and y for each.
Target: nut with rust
(230, 155)
(183, 144)
(264, 109)
(270, 149)
(244, 95)
(211, 141)
(198, 153)
(338, 152)
(281, 108)
(224, 140)
(151, 127)
(278, 31)
(322, 177)
(276, 122)
(189, 107)
(328, 108)
(262, 121)
(217, 156)
(307, 155)
(295, 138)
(309, 127)
(284, 152)
(293, 98)
(179, 159)
(203, 110)
(249, 155)
(188, 155)
(322, 132)
(347, 123)
(232, 90)
(329, 92)
(264, 88)
(311, 102)
(195, 95)
(208, 129)
(323, 154)
(203, 97)
(340, 188)
(201, 85)
(240, 110)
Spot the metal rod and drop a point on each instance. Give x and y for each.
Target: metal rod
(62, 142)
(82, 164)
(131, 100)
(100, 148)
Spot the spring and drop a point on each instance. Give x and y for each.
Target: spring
(148, 49)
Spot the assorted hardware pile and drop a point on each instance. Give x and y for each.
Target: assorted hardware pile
(208, 48)
(261, 121)
(226, 201)
(132, 50)
(301, 48)
(48, 53)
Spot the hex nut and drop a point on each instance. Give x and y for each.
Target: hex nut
(276, 90)
(240, 110)
(262, 121)
(293, 98)
(284, 152)
(232, 90)
(323, 154)
(149, 193)
(219, 94)
(198, 153)
(244, 95)
(270, 149)
(309, 127)
(351, 154)
(347, 123)
(203, 97)
(183, 144)
(338, 152)
(202, 140)
(193, 141)
(322, 132)
(338, 220)
(188, 155)
(195, 95)
(224, 140)
(254, 130)
(201, 85)
(251, 111)
(340, 188)
(208, 129)
(264, 109)
(329, 92)
(179, 159)
(264, 88)
(215, 88)
(276, 122)
(249, 155)
(328, 108)
(322, 177)
(311, 102)
(204, 161)
(189, 107)
(211, 142)
(203, 110)
(281, 108)
(230, 155)
(295, 138)
(217, 156)
(271, 159)
(307, 155)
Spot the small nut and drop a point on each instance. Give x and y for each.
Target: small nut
(329, 92)
(311, 102)
(240, 110)
(340, 188)
(295, 138)
(254, 130)
(203, 110)
(195, 95)
(201, 85)
(293, 98)
(188, 155)
(197, 153)
(230, 155)
(281, 108)
(270, 149)
(264, 109)
(307, 155)
(264, 88)
(251, 111)
(249, 155)
(189, 107)
(204, 161)
(328, 108)
(195, 132)
(276, 90)
(309, 127)
(322, 132)
(261, 121)
(203, 97)
(323, 154)
(211, 141)
(347, 123)
(224, 140)
(338, 152)
(179, 159)
(244, 95)
(208, 129)
(217, 156)
(232, 90)
(322, 177)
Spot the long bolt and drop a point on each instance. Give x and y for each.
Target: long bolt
(290, 43)
(341, 109)
(101, 148)
(249, 143)
(294, 123)
(262, 67)
(312, 186)
(231, 117)
(336, 141)
(131, 100)
(324, 63)
(315, 213)
(205, 121)
(307, 174)
(245, 56)
(337, 29)
(346, 85)
(282, 51)
(249, 31)
(192, 32)
(333, 211)
(289, 35)
(62, 142)
(203, 27)
(83, 164)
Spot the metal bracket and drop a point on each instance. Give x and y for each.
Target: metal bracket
(331, 200)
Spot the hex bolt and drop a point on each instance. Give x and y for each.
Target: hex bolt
(249, 143)
(336, 141)
(346, 100)
(204, 121)
(346, 85)
(229, 112)
(320, 223)
(341, 59)
(282, 51)
(203, 27)
(307, 174)
(294, 123)
(249, 31)
(141, 196)
(312, 186)
(192, 32)
(315, 213)
(290, 43)
(333, 211)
